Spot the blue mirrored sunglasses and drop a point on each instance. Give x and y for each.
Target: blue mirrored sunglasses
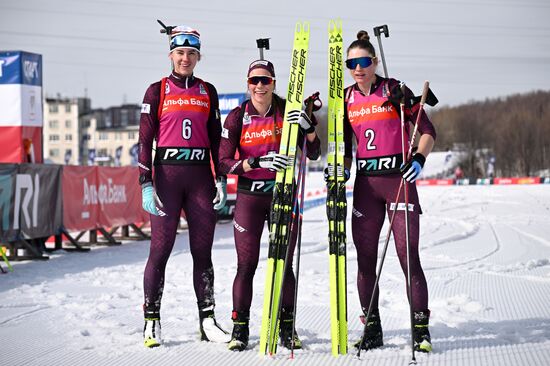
(188, 40)
(363, 62)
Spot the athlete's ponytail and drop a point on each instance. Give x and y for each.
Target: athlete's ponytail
(363, 42)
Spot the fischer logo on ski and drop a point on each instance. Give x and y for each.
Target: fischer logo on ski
(336, 192)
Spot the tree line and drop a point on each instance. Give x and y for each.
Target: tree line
(515, 130)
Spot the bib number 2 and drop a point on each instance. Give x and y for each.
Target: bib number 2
(369, 135)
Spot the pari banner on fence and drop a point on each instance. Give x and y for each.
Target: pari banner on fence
(30, 201)
(101, 197)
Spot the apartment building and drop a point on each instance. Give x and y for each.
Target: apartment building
(75, 134)
(110, 136)
(61, 129)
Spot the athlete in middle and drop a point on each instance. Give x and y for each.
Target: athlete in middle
(254, 130)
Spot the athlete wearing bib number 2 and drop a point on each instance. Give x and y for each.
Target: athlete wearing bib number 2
(372, 115)
(181, 114)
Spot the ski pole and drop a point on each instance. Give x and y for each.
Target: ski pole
(310, 105)
(301, 184)
(394, 209)
(407, 239)
(382, 29)
(300, 208)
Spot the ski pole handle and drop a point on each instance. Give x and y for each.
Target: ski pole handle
(424, 93)
(310, 104)
(422, 101)
(382, 29)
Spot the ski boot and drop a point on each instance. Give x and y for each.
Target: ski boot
(372, 338)
(210, 329)
(421, 334)
(288, 335)
(239, 337)
(151, 329)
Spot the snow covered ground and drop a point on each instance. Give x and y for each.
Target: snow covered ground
(485, 250)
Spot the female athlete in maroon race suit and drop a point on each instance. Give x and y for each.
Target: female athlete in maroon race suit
(181, 113)
(372, 115)
(254, 129)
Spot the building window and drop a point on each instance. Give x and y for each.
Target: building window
(68, 137)
(53, 108)
(68, 123)
(67, 107)
(124, 117)
(54, 153)
(54, 137)
(103, 136)
(53, 123)
(118, 136)
(131, 135)
(86, 137)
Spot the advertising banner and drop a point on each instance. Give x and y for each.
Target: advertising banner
(8, 173)
(79, 186)
(119, 197)
(37, 200)
(30, 201)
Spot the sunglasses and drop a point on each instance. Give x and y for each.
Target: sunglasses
(363, 62)
(265, 80)
(188, 40)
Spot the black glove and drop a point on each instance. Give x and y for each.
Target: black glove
(302, 119)
(273, 161)
(412, 169)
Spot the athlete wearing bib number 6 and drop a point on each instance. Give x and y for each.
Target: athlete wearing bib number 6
(181, 113)
(372, 115)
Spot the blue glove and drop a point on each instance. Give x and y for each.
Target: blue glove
(326, 174)
(221, 193)
(150, 200)
(412, 169)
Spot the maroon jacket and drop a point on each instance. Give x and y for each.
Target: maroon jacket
(149, 123)
(425, 126)
(232, 136)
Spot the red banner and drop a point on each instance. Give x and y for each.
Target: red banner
(519, 180)
(119, 197)
(79, 210)
(435, 182)
(101, 197)
(20, 144)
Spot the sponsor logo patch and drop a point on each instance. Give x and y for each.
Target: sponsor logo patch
(145, 108)
(401, 206)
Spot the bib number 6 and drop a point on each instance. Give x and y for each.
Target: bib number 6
(369, 135)
(186, 129)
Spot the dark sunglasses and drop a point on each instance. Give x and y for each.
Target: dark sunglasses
(265, 80)
(363, 62)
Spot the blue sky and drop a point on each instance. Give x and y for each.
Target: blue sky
(112, 49)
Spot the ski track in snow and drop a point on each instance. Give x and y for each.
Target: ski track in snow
(485, 251)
